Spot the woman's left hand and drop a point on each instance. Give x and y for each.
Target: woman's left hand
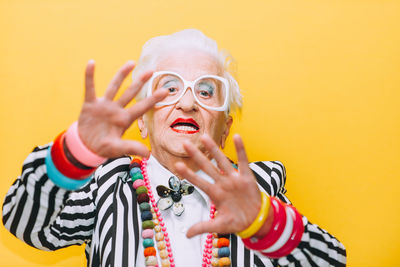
(234, 193)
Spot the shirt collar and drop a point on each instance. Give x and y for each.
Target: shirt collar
(160, 175)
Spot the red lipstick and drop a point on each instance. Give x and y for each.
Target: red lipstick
(186, 126)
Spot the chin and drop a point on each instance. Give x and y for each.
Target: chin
(176, 148)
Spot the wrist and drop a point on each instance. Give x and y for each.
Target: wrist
(264, 230)
(282, 236)
(259, 221)
(79, 150)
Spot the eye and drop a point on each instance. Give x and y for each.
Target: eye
(206, 93)
(171, 86)
(172, 89)
(205, 90)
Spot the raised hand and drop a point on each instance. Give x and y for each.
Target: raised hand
(234, 193)
(103, 121)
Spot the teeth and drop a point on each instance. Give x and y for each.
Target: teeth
(185, 128)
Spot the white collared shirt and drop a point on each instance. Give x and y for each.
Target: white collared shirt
(197, 208)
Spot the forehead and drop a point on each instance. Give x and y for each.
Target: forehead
(189, 63)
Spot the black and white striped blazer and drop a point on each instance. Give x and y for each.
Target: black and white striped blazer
(104, 216)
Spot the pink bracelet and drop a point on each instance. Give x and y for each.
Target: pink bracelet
(295, 237)
(278, 225)
(78, 148)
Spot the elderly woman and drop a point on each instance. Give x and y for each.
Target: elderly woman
(184, 203)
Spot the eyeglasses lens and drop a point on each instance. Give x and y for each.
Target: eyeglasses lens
(208, 90)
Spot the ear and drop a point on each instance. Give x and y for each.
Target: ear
(142, 127)
(228, 124)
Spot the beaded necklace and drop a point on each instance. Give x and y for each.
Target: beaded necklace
(152, 221)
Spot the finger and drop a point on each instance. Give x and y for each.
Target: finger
(128, 147)
(223, 163)
(201, 160)
(218, 225)
(134, 88)
(146, 104)
(90, 94)
(118, 79)
(243, 161)
(184, 172)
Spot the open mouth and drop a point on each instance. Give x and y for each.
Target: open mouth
(186, 126)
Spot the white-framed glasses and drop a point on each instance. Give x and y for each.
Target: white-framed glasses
(209, 91)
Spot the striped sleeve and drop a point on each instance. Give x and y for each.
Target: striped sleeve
(317, 246)
(43, 215)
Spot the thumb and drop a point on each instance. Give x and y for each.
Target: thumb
(212, 226)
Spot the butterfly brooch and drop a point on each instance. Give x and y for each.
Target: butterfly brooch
(171, 197)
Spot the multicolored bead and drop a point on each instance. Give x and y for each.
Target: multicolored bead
(159, 236)
(223, 242)
(165, 263)
(146, 215)
(163, 254)
(143, 198)
(141, 189)
(147, 224)
(223, 252)
(149, 251)
(161, 245)
(138, 183)
(134, 170)
(147, 233)
(137, 175)
(148, 243)
(224, 262)
(144, 206)
(151, 260)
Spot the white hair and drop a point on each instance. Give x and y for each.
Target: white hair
(158, 46)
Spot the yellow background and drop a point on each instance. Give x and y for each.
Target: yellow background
(320, 82)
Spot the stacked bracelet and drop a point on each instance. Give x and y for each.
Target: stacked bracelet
(278, 225)
(69, 162)
(59, 179)
(294, 238)
(63, 164)
(260, 219)
(285, 234)
(72, 159)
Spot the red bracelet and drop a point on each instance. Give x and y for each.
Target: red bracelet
(278, 225)
(63, 164)
(294, 239)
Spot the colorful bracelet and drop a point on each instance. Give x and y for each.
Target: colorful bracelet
(73, 160)
(79, 150)
(278, 225)
(63, 164)
(285, 234)
(295, 237)
(59, 179)
(260, 219)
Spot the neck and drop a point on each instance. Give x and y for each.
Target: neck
(168, 161)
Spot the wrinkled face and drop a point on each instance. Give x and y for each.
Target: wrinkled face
(168, 126)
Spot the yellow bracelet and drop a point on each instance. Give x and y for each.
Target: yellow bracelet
(260, 219)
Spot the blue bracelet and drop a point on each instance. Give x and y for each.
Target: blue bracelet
(59, 179)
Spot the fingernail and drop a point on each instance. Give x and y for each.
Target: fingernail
(91, 61)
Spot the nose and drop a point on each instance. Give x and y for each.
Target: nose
(187, 101)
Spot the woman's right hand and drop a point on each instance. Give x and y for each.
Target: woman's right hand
(103, 121)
